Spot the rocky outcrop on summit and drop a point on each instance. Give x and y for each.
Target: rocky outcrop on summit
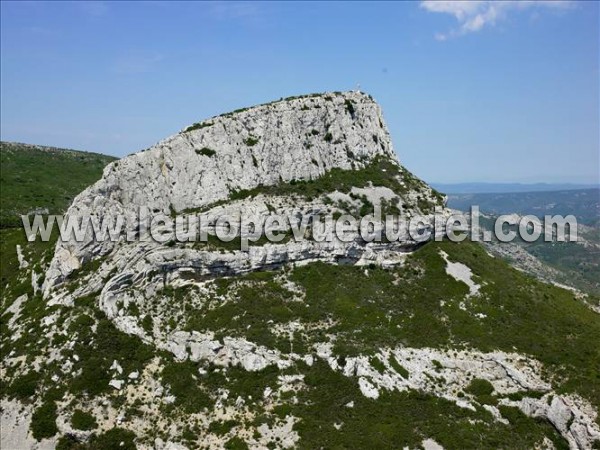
(288, 140)
(293, 139)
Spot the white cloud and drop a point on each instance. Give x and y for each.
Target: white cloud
(473, 16)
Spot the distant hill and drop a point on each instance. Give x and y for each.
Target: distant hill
(492, 188)
(582, 203)
(573, 264)
(35, 177)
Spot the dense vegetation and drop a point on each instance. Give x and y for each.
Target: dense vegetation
(366, 308)
(385, 307)
(374, 308)
(381, 171)
(43, 178)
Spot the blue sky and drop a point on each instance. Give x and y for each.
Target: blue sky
(501, 92)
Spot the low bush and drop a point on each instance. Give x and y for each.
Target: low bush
(43, 421)
(83, 421)
(205, 151)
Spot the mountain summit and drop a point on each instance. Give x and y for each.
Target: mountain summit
(258, 150)
(173, 344)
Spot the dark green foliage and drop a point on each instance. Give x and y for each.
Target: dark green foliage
(479, 387)
(387, 307)
(147, 323)
(24, 386)
(251, 141)
(576, 265)
(349, 107)
(521, 424)
(380, 172)
(198, 126)
(88, 267)
(328, 137)
(43, 421)
(579, 264)
(235, 443)
(181, 377)
(97, 352)
(482, 390)
(43, 177)
(399, 367)
(11, 284)
(68, 442)
(206, 152)
(518, 396)
(222, 427)
(255, 302)
(398, 419)
(115, 438)
(83, 421)
(240, 382)
(377, 365)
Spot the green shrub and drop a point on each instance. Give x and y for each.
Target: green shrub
(68, 442)
(108, 344)
(83, 421)
(399, 367)
(35, 177)
(479, 387)
(328, 137)
(222, 428)
(116, 438)
(382, 171)
(180, 379)
(438, 365)
(518, 396)
(43, 421)
(236, 443)
(206, 152)
(377, 365)
(349, 107)
(482, 390)
(147, 323)
(251, 141)
(198, 126)
(24, 386)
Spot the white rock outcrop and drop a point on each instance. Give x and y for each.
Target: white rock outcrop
(297, 139)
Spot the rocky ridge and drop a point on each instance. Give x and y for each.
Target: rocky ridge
(207, 345)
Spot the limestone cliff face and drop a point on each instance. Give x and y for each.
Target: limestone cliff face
(293, 139)
(290, 139)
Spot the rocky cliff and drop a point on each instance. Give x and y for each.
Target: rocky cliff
(199, 168)
(292, 344)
